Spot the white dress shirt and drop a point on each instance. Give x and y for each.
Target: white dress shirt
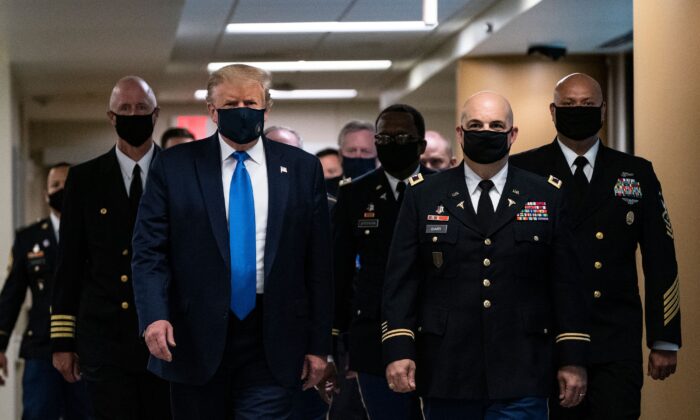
(393, 182)
(499, 183)
(55, 224)
(590, 155)
(126, 164)
(256, 165)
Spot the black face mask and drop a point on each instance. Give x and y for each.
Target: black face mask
(135, 129)
(485, 146)
(56, 200)
(578, 122)
(354, 167)
(241, 125)
(332, 185)
(398, 157)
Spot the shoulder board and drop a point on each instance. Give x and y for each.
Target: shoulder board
(345, 181)
(415, 179)
(554, 181)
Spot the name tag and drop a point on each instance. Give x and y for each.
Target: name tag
(368, 223)
(435, 228)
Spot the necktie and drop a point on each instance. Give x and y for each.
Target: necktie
(484, 210)
(400, 188)
(135, 191)
(580, 181)
(241, 224)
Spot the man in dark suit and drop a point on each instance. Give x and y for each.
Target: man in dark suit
(618, 205)
(481, 283)
(363, 224)
(46, 395)
(94, 328)
(232, 264)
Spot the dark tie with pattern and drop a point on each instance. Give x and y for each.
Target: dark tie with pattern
(135, 191)
(400, 188)
(484, 210)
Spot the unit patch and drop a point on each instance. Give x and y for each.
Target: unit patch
(533, 211)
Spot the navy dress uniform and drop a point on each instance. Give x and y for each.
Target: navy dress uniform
(46, 394)
(363, 225)
(93, 301)
(485, 313)
(623, 209)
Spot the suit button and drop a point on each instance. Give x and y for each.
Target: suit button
(599, 235)
(124, 278)
(486, 283)
(103, 211)
(597, 294)
(598, 265)
(125, 305)
(487, 262)
(487, 304)
(367, 232)
(36, 268)
(30, 333)
(487, 241)
(536, 238)
(40, 284)
(359, 312)
(125, 252)
(434, 238)
(545, 331)
(420, 329)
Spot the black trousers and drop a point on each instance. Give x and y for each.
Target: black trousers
(122, 394)
(614, 393)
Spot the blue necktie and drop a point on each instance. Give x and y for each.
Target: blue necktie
(241, 227)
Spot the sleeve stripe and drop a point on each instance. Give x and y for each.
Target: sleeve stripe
(404, 330)
(335, 332)
(62, 324)
(580, 335)
(397, 334)
(671, 305)
(63, 329)
(573, 338)
(63, 335)
(672, 315)
(671, 298)
(668, 311)
(62, 318)
(671, 289)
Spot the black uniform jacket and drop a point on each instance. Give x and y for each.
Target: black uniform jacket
(32, 265)
(93, 309)
(363, 224)
(624, 209)
(481, 312)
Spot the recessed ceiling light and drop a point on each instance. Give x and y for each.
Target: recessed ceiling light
(289, 66)
(333, 26)
(201, 94)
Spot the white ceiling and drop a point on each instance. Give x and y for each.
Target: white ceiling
(78, 48)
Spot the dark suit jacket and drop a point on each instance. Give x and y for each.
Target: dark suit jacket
(32, 266)
(363, 224)
(480, 311)
(181, 260)
(93, 283)
(608, 228)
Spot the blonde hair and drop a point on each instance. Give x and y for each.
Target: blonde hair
(240, 71)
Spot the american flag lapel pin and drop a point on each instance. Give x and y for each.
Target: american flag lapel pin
(283, 169)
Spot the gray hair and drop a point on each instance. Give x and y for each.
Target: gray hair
(272, 128)
(352, 127)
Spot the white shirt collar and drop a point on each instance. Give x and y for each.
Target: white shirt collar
(55, 224)
(473, 179)
(393, 181)
(127, 164)
(571, 156)
(255, 153)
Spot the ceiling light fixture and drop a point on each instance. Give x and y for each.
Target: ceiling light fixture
(289, 66)
(201, 94)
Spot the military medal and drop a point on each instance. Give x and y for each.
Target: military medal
(534, 211)
(629, 218)
(438, 218)
(627, 187)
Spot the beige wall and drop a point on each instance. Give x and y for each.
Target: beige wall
(667, 89)
(528, 84)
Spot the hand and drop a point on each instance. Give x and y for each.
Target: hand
(159, 335)
(573, 381)
(66, 362)
(312, 372)
(401, 375)
(662, 364)
(329, 383)
(3, 368)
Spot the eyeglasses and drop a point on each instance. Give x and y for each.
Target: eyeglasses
(383, 139)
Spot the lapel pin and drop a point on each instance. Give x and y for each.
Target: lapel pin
(378, 187)
(461, 205)
(516, 192)
(511, 202)
(383, 196)
(440, 209)
(283, 169)
(46, 243)
(455, 194)
(370, 207)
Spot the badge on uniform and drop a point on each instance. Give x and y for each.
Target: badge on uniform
(368, 223)
(36, 252)
(629, 218)
(438, 218)
(437, 259)
(534, 211)
(369, 213)
(666, 217)
(435, 228)
(627, 188)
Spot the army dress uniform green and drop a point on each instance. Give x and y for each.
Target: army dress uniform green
(483, 312)
(623, 210)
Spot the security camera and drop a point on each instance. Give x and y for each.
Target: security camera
(551, 52)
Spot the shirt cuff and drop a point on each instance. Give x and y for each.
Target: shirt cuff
(664, 345)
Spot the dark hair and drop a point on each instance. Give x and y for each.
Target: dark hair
(174, 132)
(406, 109)
(60, 165)
(329, 151)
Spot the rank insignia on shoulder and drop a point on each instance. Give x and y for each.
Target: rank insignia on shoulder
(556, 182)
(415, 179)
(345, 181)
(627, 187)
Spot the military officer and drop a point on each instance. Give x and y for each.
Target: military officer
(46, 396)
(620, 206)
(363, 224)
(481, 289)
(94, 326)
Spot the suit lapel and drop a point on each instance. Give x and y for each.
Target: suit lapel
(208, 167)
(457, 200)
(115, 192)
(513, 199)
(278, 178)
(561, 166)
